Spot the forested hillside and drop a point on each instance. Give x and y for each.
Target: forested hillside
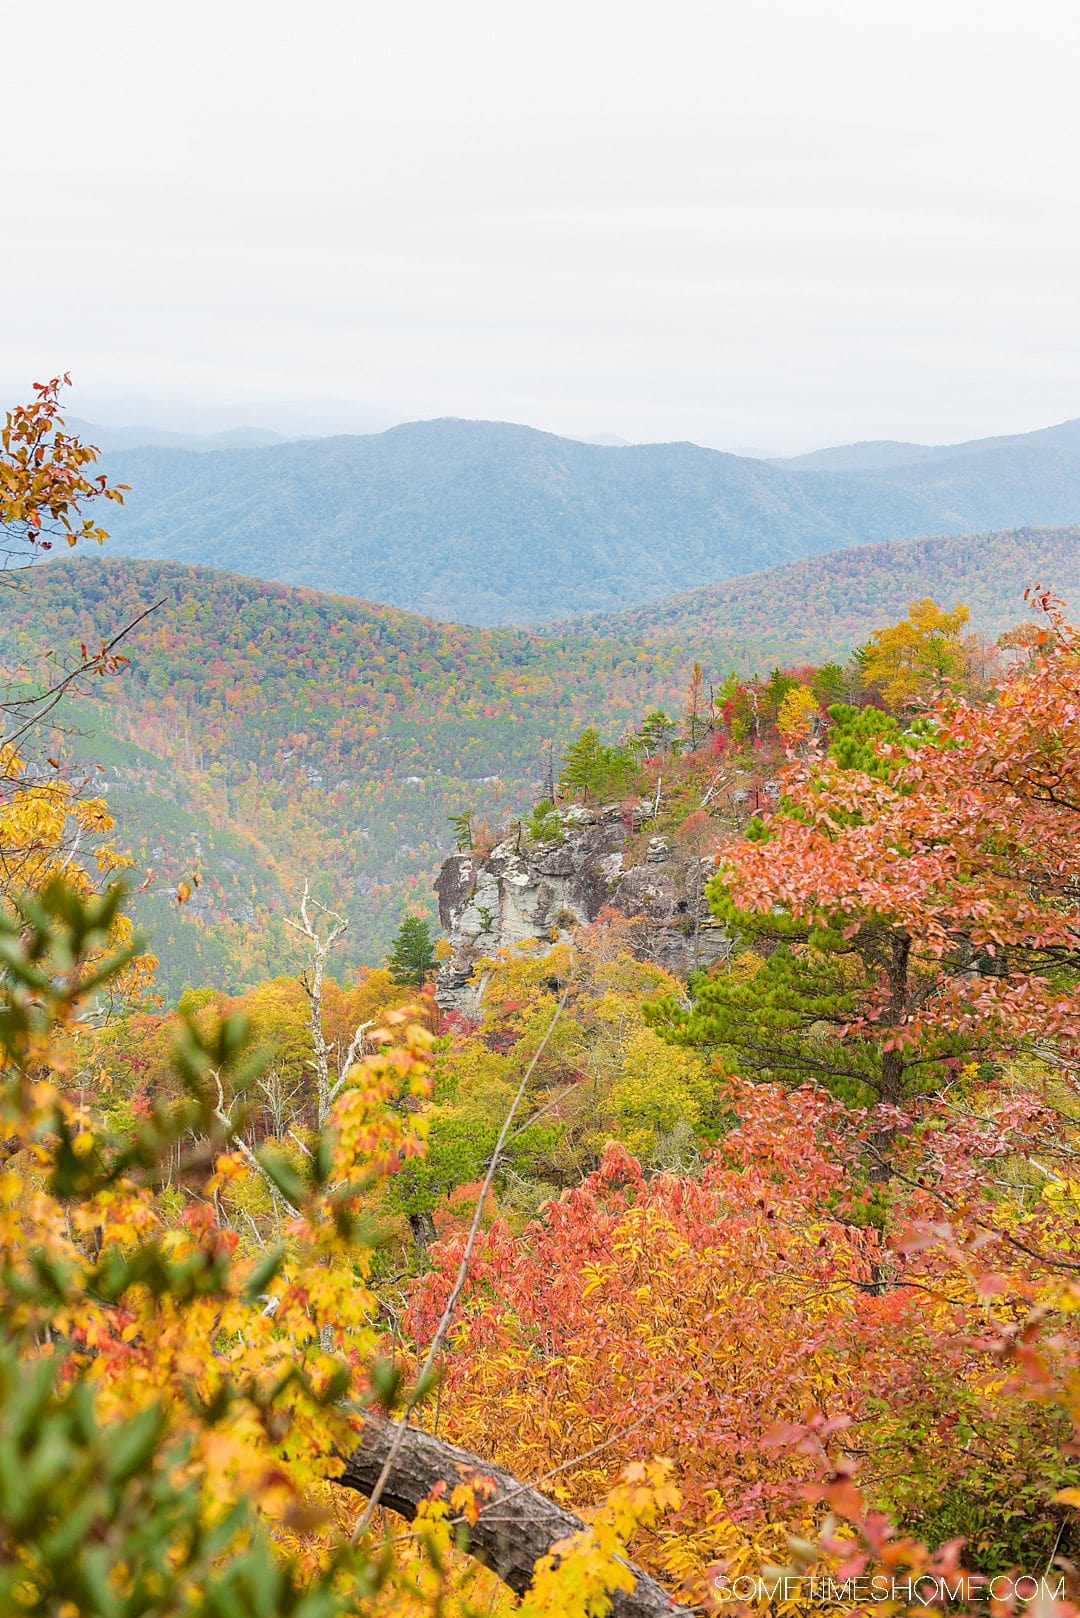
(824, 606)
(484, 522)
(642, 1269)
(540, 975)
(263, 735)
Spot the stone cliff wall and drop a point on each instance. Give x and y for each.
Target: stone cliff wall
(525, 891)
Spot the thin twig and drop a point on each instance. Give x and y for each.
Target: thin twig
(459, 1281)
(51, 697)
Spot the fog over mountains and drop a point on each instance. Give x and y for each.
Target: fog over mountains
(139, 436)
(873, 455)
(491, 523)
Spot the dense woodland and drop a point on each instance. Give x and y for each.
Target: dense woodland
(822, 607)
(626, 1294)
(263, 735)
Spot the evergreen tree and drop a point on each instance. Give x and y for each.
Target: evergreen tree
(796, 1006)
(774, 691)
(591, 766)
(413, 954)
(657, 734)
(463, 833)
(832, 683)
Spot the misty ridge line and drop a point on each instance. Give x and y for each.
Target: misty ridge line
(861, 454)
(489, 523)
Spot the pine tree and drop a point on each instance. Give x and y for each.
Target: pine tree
(780, 1012)
(591, 766)
(463, 832)
(657, 734)
(413, 954)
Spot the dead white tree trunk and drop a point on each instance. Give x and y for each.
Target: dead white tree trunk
(321, 942)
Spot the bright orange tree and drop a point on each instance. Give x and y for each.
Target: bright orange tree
(752, 1324)
(965, 854)
(915, 893)
(881, 1283)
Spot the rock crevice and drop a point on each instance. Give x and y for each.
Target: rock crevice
(527, 894)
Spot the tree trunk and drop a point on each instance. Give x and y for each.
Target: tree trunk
(423, 1230)
(893, 1066)
(893, 1071)
(515, 1528)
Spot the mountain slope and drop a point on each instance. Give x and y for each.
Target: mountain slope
(483, 522)
(264, 735)
(138, 437)
(885, 454)
(825, 605)
(1019, 484)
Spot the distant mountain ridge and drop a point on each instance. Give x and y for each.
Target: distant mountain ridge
(140, 437)
(490, 523)
(264, 734)
(880, 454)
(825, 605)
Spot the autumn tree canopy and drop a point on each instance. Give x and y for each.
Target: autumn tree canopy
(910, 889)
(313, 1301)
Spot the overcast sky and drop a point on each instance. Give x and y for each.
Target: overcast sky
(764, 224)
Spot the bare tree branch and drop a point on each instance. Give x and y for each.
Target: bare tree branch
(35, 708)
(322, 943)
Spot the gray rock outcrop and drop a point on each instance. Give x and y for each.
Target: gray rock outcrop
(528, 894)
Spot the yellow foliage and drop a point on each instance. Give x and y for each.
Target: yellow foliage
(746, 965)
(657, 1085)
(798, 711)
(278, 1347)
(573, 1580)
(908, 658)
(47, 830)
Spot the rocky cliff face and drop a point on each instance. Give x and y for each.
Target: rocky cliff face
(527, 893)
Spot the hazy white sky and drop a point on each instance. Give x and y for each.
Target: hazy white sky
(776, 223)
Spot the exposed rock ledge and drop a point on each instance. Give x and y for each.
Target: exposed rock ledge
(527, 893)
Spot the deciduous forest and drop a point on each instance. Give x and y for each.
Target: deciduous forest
(625, 1291)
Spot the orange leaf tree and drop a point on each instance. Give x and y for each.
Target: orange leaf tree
(47, 479)
(915, 897)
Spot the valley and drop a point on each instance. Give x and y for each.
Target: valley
(540, 812)
(265, 735)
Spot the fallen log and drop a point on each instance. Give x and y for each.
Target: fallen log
(517, 1525)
